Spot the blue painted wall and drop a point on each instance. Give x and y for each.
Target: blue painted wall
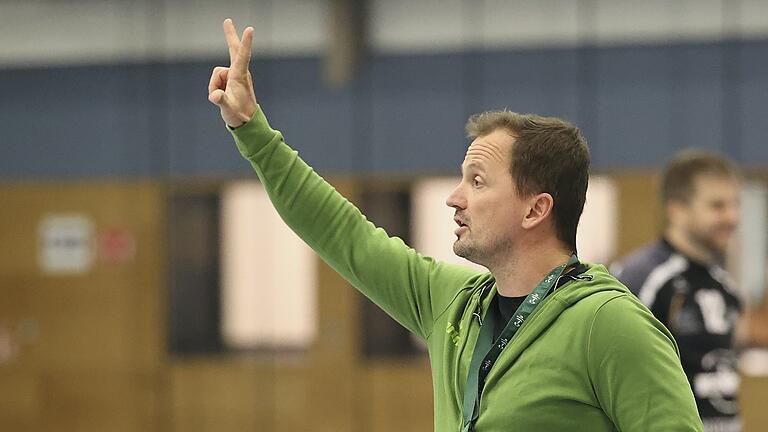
(401, 115)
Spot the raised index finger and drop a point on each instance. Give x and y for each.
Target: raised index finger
(240, 65)
(233, 42)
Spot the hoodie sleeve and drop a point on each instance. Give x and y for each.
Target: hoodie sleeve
(634, 366)
(411, 288)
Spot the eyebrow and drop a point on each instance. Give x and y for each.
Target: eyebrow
(476, 165)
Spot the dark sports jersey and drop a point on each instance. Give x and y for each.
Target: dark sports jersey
(699, 306)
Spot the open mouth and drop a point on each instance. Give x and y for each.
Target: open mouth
(461, 226)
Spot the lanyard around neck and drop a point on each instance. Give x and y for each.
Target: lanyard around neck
(487, 351)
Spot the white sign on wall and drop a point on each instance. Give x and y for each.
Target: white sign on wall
(66, 244)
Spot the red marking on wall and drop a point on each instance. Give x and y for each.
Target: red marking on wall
(117, 246)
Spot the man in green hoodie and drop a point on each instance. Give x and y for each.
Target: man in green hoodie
(543, 342)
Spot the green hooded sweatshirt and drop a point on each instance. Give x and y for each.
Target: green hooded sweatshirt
(590, 357)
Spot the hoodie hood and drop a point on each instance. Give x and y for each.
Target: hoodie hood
(596, 279)
(593, 284)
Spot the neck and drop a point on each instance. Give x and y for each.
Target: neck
(688, 247)
(518, 274)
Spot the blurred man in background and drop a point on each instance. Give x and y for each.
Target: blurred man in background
(681, 279)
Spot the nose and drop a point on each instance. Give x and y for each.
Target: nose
(456, 199)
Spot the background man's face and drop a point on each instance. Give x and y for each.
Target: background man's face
(711, 214)
(488, 209)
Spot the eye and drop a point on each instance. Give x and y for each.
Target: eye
(476, 181)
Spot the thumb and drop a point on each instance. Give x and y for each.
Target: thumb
(218, 98)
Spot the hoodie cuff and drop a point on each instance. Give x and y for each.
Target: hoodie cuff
(254, 135)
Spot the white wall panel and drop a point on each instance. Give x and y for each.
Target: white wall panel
(526, 23)
(753, 18)
(697, 19)
(280, 27)
(417, 26)
(653, 21)
(37, 32)
(299, 27)
(193, 28)
(626, 21)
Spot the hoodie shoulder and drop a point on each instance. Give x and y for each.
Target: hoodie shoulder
(596, 282)
(596, 288)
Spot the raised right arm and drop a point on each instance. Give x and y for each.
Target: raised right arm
(409, 287)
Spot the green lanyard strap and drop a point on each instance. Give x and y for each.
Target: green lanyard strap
(487, 351)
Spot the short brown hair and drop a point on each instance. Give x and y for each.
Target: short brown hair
(681, 171)
(549, 155)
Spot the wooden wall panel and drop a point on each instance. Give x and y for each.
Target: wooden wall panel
(294, 411)
(99, 401)
(90, 345)
(91, 348)
(333, 391)
(221, 394)
(397, 396)
(20, 399)
(754, 393)
(639, 211)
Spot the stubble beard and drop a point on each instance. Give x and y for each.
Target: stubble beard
(463, 249)
(470, 251)
(708, 241)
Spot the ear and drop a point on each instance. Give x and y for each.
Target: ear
(539, 208)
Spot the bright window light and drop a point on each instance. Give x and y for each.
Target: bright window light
(433, 223)
(748, 253)
(596, 237)
(268, 275)
(432, 220)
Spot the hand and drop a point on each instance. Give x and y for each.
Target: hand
(231, 88)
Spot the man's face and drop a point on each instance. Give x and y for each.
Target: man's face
(711, 215)
(488, 208)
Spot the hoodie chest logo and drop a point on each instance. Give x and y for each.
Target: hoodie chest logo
(453, 334)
